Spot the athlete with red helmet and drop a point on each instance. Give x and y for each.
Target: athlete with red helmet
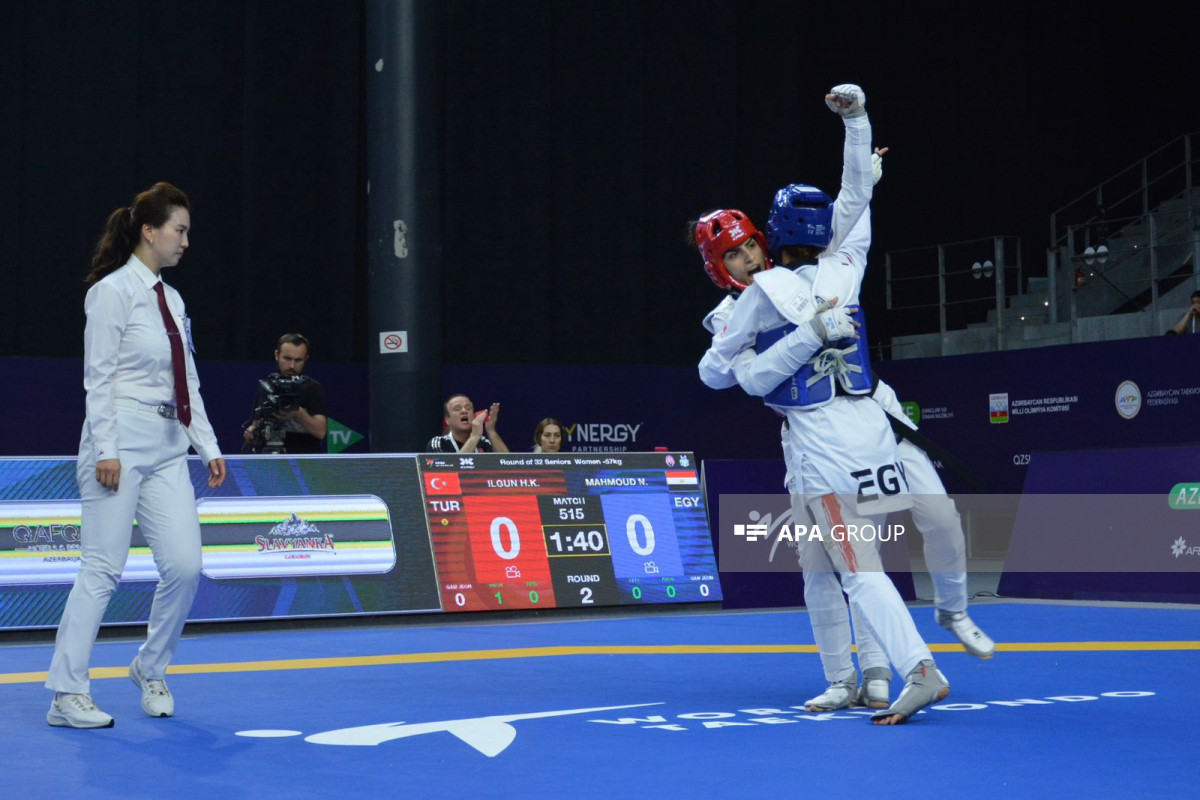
(732, 248)
(764, 340)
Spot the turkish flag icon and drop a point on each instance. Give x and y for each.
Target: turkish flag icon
(442, 483)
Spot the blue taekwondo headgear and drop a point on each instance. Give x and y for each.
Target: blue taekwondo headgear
(800, 215)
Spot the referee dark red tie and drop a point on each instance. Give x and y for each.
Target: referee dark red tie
(183, 407)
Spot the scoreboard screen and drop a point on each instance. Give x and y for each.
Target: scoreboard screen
(552, 530)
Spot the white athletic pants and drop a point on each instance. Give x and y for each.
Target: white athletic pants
(936, 517)
(156, 488)
(867, 586)
(827, 612)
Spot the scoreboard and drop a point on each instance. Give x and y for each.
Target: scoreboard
(343, 535)
(553, 530)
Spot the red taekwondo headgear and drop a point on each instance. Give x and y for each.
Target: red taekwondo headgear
(719, 232)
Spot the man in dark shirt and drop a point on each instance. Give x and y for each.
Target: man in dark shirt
(303, 419)
(467, 431)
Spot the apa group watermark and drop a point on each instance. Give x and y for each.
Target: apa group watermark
(765, 533)
(1035, 532)
(813, 533)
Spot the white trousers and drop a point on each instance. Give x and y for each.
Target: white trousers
(823, 450)
(937, 519)
(156, 489)
(882, 621)
(934, 513)
(826, 607)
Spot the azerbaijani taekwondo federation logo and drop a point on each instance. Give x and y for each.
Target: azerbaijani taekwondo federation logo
(1128, 399)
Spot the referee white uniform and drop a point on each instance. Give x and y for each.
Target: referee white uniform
(131, 416)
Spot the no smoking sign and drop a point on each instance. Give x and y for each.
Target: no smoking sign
(393, 342)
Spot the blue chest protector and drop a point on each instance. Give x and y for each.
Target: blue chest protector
(846, 361)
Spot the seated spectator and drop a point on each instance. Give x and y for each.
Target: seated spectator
(1187, 323)
(466, 430)
(548, 436)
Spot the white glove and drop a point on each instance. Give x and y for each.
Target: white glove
(877, 166)
(832, 324)
(847, 100)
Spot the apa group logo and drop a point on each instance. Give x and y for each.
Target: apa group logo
(1128, 400)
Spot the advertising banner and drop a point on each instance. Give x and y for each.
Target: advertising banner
(1074, 540)
(297, 536)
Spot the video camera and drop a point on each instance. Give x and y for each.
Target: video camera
(280, 393)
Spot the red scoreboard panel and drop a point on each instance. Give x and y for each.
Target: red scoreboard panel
(546, 530)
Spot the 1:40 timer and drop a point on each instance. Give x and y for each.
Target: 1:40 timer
(583, 541)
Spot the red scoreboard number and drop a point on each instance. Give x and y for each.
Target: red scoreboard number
(507, 552)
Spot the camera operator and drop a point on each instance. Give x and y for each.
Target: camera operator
(289, 410)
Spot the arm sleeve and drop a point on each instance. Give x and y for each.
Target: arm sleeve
(759, 373)
(200, 433)
(735, 335)
(316, 399)
(106, 309)
(858, 242)
(857, 180)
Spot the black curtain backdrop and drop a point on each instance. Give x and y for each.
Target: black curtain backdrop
(249, 107)
(579, 137)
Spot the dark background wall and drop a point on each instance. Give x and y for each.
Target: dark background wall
(251, 108)
(579, 137)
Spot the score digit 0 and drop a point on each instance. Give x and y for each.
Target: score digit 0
(513, 538)
(631, 526)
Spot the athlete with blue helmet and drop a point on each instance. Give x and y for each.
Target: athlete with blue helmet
(762, 340)
(799, 231)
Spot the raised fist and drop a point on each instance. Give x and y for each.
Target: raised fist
(847, 100)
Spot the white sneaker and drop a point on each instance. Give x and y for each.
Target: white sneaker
(156, 697)
(76, 711)
(838, 695)
(924, 685)
(976, 642)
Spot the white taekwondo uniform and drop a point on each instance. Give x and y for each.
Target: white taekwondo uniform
(841, 454)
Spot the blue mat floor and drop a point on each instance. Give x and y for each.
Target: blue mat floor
(1080, 700)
